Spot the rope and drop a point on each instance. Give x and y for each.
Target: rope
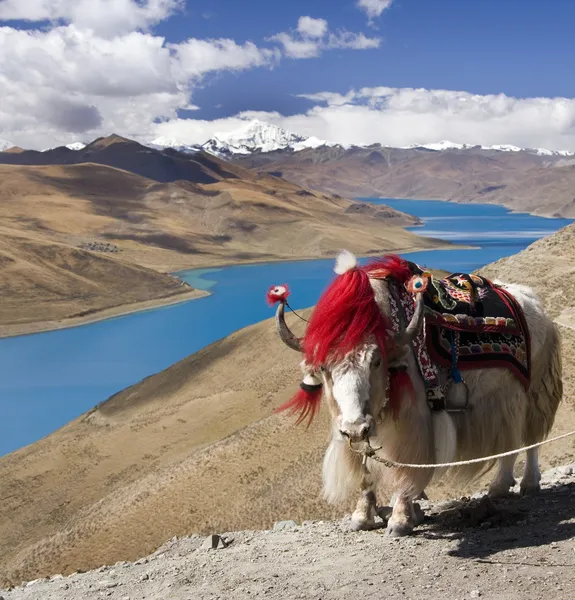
(369, 452)
(294, 312)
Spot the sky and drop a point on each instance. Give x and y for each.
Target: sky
(397, 72)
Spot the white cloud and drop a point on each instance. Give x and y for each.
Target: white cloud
(312, 37)
(373, 8)
(312, 28)
(197, 57)
(405, 116)
(105, 17)
(297, 48)
(91, 67)
(352, 41)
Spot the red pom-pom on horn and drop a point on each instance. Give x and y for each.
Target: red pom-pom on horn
(277, 293)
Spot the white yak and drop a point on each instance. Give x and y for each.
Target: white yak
(351, 356)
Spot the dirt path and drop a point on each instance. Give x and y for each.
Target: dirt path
(516, 548)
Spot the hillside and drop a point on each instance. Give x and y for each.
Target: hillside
(523, 181)
(126, 205)
(196, 448)
(512, 549)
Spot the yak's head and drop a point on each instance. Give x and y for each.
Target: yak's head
(351, 350)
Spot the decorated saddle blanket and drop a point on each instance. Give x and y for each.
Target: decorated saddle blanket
(474, 322)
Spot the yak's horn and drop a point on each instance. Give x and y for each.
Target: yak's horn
(288, 338)
(406, 337)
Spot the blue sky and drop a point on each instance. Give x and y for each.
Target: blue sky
(519, 48)
(414, 71)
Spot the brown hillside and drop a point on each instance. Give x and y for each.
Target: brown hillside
(187, 213)
(519, 180)
(197, 448)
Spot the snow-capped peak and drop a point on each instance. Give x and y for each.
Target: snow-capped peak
(447, 145)
(5, 145)
(162, 142)
(76, 146)
(257, 136)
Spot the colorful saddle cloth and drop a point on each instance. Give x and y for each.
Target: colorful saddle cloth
(480, 320)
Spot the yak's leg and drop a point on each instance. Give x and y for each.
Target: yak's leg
(404, 517)
(504, 479)
(364, 515)
(532, 475)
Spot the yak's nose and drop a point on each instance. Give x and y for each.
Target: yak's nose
(355, 431)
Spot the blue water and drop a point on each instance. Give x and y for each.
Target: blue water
(47, 379)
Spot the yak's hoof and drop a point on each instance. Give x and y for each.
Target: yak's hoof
(501, 489)
(399, 528)
(531, 489)
(361, 524)
(418, 514)
(384, 512)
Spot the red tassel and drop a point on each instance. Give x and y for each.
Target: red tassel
(277, 293)
(305, 404)
(399, 386)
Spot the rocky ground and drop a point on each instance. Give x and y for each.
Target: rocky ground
(508, 549)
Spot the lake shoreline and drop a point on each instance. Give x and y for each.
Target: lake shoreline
(121, 310)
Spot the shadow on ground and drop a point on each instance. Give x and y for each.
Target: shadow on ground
(485, 528)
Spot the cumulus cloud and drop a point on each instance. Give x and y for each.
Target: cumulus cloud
(312, 28)
(406, 116)
(105, 17)
(91, 67)
(312, 37)
(373, 8)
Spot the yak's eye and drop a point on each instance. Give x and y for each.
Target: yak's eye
(376, 363)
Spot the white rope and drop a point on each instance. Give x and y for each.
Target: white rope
(369, 452)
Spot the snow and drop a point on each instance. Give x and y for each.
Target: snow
(76, 146)
(257, 136)
(164, 142)
(5, 144)
(447, 145)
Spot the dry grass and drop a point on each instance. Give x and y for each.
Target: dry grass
(197, 448)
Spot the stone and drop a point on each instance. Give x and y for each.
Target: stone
(214, 542)
(475, 593)
(285, 525)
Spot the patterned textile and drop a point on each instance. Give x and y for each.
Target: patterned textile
(482, 320)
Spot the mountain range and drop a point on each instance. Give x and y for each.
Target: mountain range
(256, 136)
(533, 180)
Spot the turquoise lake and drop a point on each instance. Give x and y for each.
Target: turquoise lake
(47, 379)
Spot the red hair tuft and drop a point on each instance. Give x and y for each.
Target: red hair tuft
(305, 404)
(347, 312)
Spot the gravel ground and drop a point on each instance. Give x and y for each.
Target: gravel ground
(512, 548)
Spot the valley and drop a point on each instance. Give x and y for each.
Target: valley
(101, 228)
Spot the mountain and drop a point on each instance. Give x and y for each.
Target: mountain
(5, 145)
(254, 136)
(525, 181)
(197, 448)
(159, 211)
(257, 136)
(447, 145)
(161, 143)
